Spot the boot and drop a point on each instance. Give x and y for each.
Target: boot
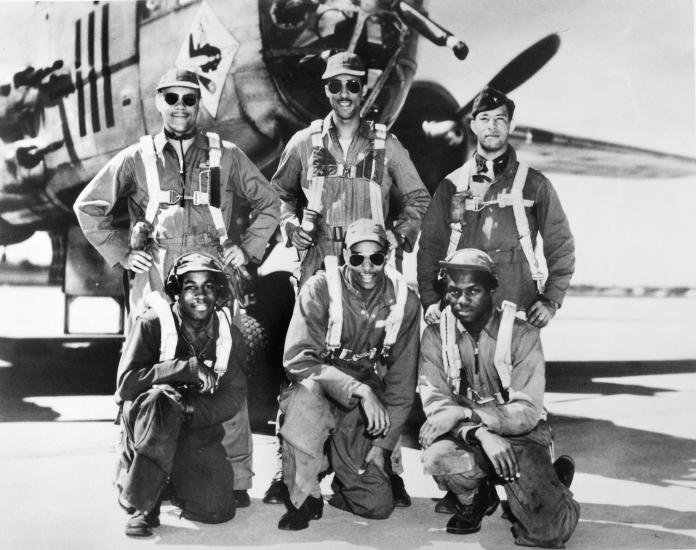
(565, 469)
(277, 492)
(468, 517)
(447, 504)
(241, 498)
(296, 519)
(401, 497)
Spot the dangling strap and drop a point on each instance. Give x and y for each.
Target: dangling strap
(169, 337)
(502, 359)
(377, 173)
(147, 150)
(315, 173)
(396, 313)
(333, 281)
(462, 185)
(451, 359)
(223, 345)
(522, 224)
(214, 158)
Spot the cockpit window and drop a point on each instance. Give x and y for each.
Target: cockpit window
(298, 36)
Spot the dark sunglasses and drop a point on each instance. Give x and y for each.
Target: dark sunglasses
(335, 86)
(376, 259)
(172, 99)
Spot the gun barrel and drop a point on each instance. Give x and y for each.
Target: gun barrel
(432, 31)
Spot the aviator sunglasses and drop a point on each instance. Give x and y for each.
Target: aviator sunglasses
(376, 259)
(335, 85)
(172, 98)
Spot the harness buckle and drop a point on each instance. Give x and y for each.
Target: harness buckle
(474, 203)
(200, 198)
(170, 197)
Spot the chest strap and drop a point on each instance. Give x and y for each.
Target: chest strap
(514, 199)
(169, 336)
(210, 197)
(321, 162)
(392, 323)
(502, 357)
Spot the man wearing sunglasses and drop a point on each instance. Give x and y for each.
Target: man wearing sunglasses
(345, 168)
(351, 355)
(191, 171)
(481, 379)
(499, 205)
(180, 186)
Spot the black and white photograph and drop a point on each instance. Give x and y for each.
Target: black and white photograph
(348, 274)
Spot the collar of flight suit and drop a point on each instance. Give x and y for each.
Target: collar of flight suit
(199, 140)
(365, 128)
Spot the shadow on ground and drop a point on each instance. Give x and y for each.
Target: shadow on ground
(601, 526)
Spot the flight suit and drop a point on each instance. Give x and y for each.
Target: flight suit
(319, 404)
(545, 513)
(346, 195)
(171, 431)
(493, 230)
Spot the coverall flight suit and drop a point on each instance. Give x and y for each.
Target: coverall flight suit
(173, 431)
(319, 404)
(544, 509)
(493, 230)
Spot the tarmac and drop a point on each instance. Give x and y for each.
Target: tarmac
(621, 388)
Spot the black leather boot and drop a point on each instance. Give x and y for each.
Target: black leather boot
(468, 517)
(296, 519)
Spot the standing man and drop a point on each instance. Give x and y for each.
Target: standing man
(499, 205)
(180, 186)
(351, 355)
(339, 170)
(180, 377)
(344, 168)
(481, 378)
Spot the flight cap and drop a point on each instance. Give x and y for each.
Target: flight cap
(343, 63)
(366, 230)
(489, 99)
(195, 261)
(473, 260)
(178, 77)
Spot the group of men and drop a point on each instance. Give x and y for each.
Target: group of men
(349, 200)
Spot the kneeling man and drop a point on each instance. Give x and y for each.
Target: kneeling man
(351, 354)
(180, 377)
(482, 383)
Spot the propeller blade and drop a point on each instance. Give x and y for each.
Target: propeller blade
(521, 68)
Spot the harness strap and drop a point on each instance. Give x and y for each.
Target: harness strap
(147, 149)
(502, 358)
(522, 224)
(451, 359)
(223, 344)
(169, 337)
(214, 158)
(396, 312)
(502, 200)
(333, 281)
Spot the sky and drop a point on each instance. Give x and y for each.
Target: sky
(624, 73)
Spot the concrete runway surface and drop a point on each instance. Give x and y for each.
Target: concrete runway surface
(621, 388)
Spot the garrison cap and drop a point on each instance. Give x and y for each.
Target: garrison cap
(343, 63)
(470, 259)
(366, 230)
(178, 77)
(489, 99)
